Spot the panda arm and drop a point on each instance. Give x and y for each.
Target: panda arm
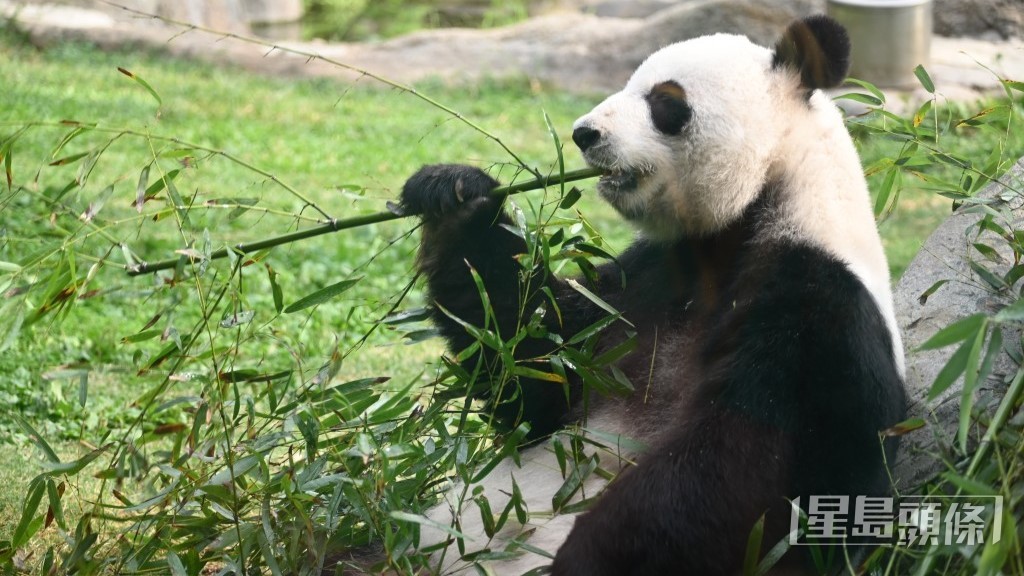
(465, 227)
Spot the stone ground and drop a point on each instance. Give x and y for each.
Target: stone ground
(571, 51)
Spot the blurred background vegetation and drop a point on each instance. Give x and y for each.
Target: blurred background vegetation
(358, 20)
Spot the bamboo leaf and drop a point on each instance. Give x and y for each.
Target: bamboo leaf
(869, 87)
(140, 189)
(69, 159)
(862, 98)
(971, 378)
(558, 152)
(407, 316)
(970, 486)
(923, 298)
(85, 170)
(75, 466)
(570, 199)
(143, 83)
(594, 328)
(988, 252)
(8, 169)
(25, 529)
(56, 509)
(424, 521)
(527, 372)
(775, 554)
(990, 278)
(175, 565)
(595, 299)
(179, 204)
(14, 328)
(954, 367)
(37, 439)
(321, 296)
(275, 290)
(905, 427)
(924, 78)
(74, 133)
(885, 193)
(987, 116)
(922, 113)
(754, 541)
(1012, 313)
(580, 472)
(955, 332)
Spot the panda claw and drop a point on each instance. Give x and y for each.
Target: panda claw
(396, 208)
(458, 191)
(441, 189)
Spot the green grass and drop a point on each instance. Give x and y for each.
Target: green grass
(347, 147)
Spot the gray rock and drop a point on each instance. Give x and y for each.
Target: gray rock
(271, 11)
(944, 256)
(227, 15)
(578, 52)
(627, 8)
(988, 19)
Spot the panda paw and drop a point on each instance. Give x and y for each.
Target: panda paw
(442, 189)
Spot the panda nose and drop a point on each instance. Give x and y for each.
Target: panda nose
(585, 137)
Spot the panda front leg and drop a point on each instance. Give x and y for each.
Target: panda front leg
(465, 229)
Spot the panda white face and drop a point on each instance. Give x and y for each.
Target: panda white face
(687, 144)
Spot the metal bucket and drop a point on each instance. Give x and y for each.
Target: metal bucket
(890, 38)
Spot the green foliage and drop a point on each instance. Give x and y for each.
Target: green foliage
(360, 20)
(953, 153)
(910, 180)
(245, 413)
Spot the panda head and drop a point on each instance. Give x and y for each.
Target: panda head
(703, 125)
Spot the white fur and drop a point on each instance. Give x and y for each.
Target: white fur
(751, 124)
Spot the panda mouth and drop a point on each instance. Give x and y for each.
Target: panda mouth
(619, 181)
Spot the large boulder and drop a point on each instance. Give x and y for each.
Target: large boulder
(987, 19)
(945, 256)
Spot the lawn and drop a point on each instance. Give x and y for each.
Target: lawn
(347, 148)
(251, 155)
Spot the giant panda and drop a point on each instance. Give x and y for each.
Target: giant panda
(767, 361)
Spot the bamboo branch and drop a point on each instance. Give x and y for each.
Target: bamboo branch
(334, 225)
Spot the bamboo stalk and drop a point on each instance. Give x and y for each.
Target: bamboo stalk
(335, 225)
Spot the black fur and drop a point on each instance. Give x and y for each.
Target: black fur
(818, 48)
(473, 235)
(443, 188)
(669, 110)
(781, 376)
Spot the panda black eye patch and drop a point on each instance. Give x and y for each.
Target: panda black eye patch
(669, 110)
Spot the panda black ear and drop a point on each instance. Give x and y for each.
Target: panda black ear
(818, 48)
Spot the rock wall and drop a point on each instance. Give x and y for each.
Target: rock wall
(944, 256)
